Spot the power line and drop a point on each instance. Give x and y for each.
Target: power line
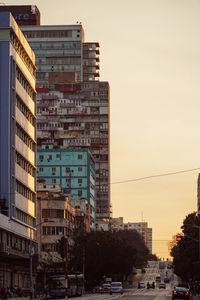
(141, 178)
(155, 176)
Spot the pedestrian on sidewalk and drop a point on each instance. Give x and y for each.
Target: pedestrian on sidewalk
(3, 293)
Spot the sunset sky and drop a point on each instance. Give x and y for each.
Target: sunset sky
(150, 54)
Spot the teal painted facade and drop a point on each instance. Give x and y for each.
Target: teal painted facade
(73, 169)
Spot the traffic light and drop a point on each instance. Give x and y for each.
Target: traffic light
(179, 238)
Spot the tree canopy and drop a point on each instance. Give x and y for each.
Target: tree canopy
(108, 254)
(185, 252)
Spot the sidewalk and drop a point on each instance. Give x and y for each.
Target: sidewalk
(196, 297)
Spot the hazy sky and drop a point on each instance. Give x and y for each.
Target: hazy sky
(150, 54)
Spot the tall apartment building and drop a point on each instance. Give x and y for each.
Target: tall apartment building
(62, 49)
(17, 153)
(73, 169)
(73, 107)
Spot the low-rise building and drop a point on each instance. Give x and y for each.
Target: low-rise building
(55, 219)
(83, 215)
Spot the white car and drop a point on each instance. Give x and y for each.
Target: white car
(116, 287)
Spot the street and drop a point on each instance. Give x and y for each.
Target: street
(143, 294)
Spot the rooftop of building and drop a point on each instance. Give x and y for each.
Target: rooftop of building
(7, 21)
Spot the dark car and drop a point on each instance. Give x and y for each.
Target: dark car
(162, 286)
(185, 285)
(166, 279)
(141, 285)
(180, 293)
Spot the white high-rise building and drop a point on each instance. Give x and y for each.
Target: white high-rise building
(17, 153)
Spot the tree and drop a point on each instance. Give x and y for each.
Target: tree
(106, 253)
(185, 252)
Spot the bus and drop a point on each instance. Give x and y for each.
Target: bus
(57, 288)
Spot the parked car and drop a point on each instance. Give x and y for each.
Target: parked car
(116, 287)
(162, 286)
(97, 289)
(105, 288)
(166, 279)
(180, 293)
(141, 285)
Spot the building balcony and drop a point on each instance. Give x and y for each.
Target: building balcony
(24, 150)
(24, 177)
(70, 120)
(76, 128)
(78, 144)
(42, 105)
(67, 105)
(25, 97)
(24, 123)
(49, 97)
(42, 120)
(50, 128)
(24, 204)
(5, 250)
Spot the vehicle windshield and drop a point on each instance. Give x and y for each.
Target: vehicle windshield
(105, 285)
(116, 284)
(181, 289)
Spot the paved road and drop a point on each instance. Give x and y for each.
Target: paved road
(142, 294)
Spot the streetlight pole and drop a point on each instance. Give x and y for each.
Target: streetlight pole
(31, 267)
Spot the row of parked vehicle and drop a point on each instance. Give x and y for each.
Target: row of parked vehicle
(113, 287)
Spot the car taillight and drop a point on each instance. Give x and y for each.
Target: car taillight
(175, 293)
(187, 293)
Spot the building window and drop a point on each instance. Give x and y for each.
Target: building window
(80, 156)
(58, 155)
(80, 180)
(80, 169)
(79, 193)
(68, 181)
(49, 157)
(53, 170)
(53, 180)
(41, 169)
(67, 170)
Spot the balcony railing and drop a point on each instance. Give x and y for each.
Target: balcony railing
(4, 249)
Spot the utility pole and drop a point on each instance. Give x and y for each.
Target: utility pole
(199, 234)
(66, 268)
(31, 267)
